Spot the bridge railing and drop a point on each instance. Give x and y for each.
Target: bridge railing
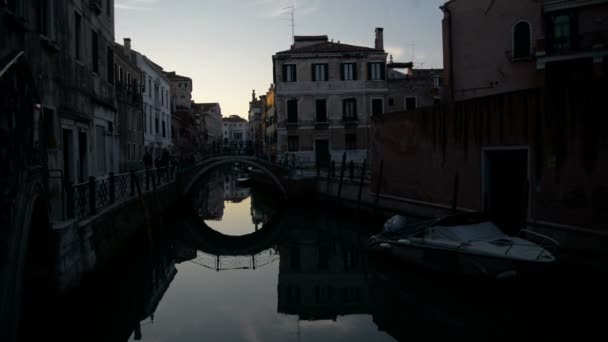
(236, 262)
(89, 198)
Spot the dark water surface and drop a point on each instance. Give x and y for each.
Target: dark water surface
(241, 266)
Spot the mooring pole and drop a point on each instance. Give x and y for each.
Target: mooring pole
(342, 175)
(379, 185)
(361, 180)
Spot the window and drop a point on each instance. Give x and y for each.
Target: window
(293, 143)
(376, 71)
(290, 73)
(410, 103)
(348, 71)
(319, 72)
(350, 141)
(156, 124)
(521, 40)
(95, 52)
(145, 118)
(438, 82)
(377, 106)
(150, 87)
(562, 31)
(77, 35)
(321, 110)
(164, 130)
(349, 109)
(292, 111)
(110, 64)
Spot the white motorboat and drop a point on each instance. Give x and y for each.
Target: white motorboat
(468, 245)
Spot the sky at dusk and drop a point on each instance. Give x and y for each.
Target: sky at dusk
(226, 46)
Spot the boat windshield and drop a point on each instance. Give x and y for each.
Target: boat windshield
(473, 232)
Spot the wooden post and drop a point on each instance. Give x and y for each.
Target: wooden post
(155, 179)
(361, 180)
(455, 193)
(351, 170)
(342, 170)
(379, 185)
(147, 179)
(328, 176)
(112, 185)
(92, 197)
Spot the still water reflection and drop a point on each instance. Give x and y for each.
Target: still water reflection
(242, 267)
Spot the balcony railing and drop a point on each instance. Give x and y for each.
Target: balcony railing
(558, 5)
(583, 42)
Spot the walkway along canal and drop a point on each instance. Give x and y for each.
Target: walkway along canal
(236, 263)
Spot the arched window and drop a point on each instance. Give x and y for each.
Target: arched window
(521, 40)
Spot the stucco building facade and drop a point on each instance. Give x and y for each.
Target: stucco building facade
(326, 92)
(130, 108)
(157, 106)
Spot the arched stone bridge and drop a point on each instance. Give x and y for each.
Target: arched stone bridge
(276, 172)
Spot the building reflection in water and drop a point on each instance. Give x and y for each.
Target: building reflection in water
(323, 273)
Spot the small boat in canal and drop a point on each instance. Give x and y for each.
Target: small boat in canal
(467, 245)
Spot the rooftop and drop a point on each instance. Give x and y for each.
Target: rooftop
(330, 47)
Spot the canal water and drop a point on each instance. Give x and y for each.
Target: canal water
(239, 264)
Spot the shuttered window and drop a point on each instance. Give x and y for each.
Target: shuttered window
(319, 72)
(321, 114)
(377, 106)
(376, 72)
(289, 73)
(292, 111)
(349, 109)
(348, 71)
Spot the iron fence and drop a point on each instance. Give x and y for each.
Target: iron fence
(88, 198)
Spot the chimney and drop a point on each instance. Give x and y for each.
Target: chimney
(379, 38)
(253, 95)
(127, 45)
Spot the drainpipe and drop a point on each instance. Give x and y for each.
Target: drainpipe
(448, 18)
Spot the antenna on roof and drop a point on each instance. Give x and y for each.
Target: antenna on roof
(291, 10)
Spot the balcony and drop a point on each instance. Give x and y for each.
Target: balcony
(578, 43)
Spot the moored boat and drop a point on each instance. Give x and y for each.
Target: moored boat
(467, 245)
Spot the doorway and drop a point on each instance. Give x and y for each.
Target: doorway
(322, 152)
(506, 187)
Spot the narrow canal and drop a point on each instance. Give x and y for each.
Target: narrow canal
(240, 265)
